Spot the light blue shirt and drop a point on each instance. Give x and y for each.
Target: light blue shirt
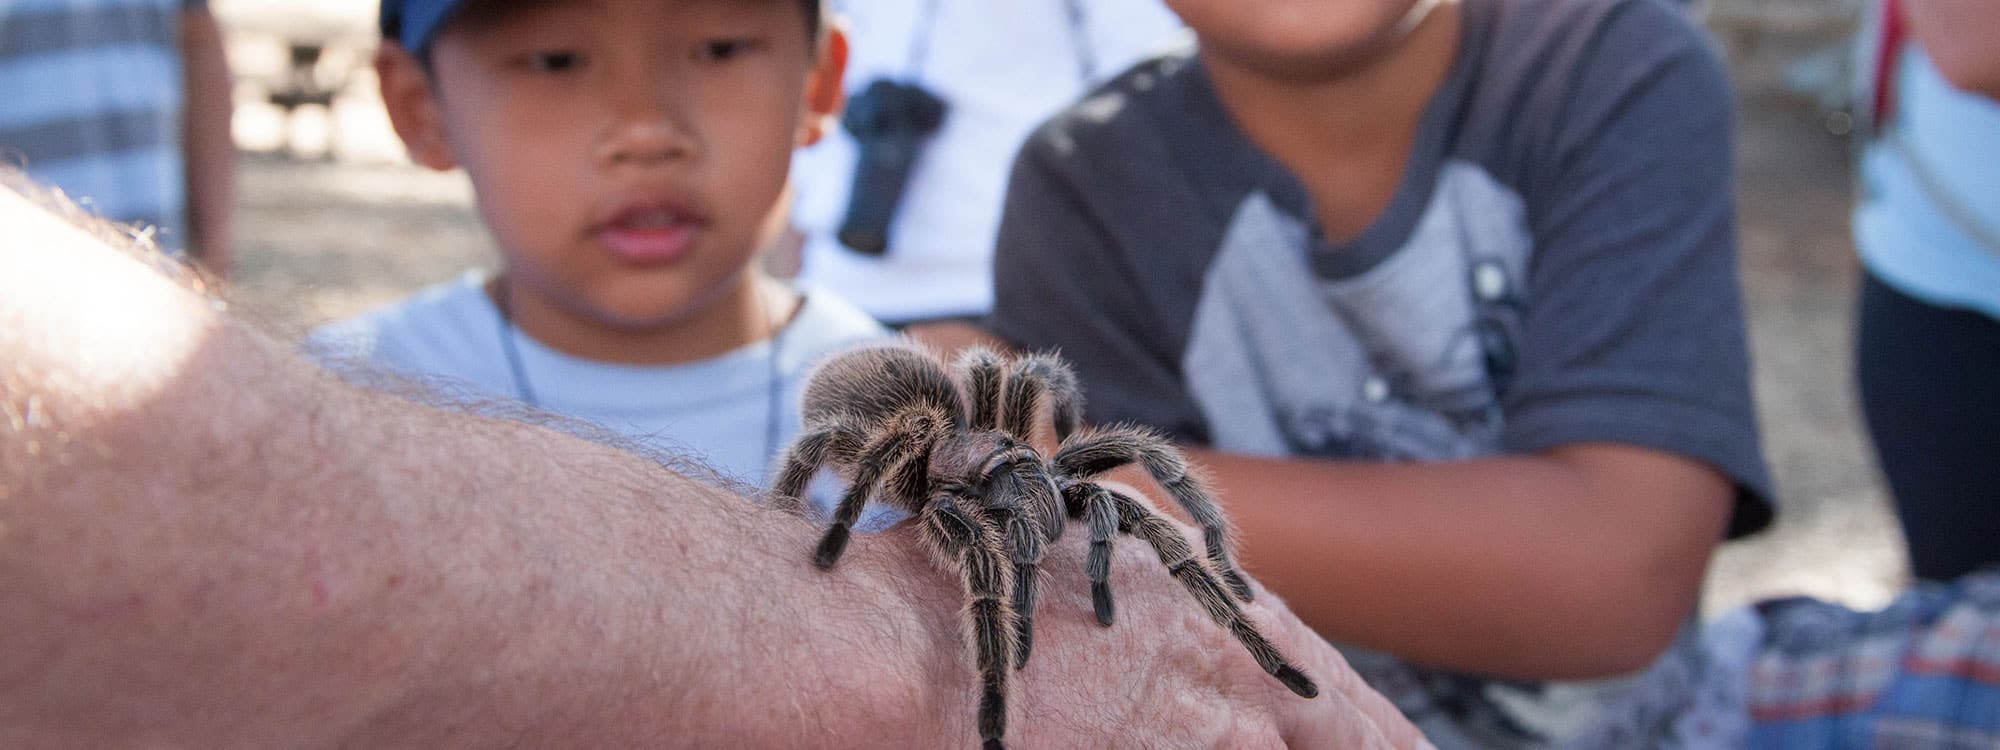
(1929, 215)
(719, 411)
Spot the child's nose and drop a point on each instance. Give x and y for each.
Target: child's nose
(646, 130)
(645, 141)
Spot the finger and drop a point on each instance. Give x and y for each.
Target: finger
(1348, 712)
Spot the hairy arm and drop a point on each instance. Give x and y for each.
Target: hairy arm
(207, 141)
(205, 541)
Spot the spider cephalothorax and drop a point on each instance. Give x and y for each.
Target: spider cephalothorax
(953, 448)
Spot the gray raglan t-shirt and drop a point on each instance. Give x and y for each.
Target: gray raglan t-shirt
(1557, 266)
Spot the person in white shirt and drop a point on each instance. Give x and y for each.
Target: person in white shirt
(999, 69)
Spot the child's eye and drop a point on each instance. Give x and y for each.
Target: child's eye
(725, 49)
(557, 61)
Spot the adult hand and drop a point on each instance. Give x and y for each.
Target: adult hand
(1162, 676)
(1165, 676)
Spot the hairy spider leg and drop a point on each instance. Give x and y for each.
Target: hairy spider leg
(969, 543)
(835, 442)
(908, 482)
(1038, 376)
(1033, 379)
(907, 434)
(1091, 454)
(1014, 482)
(1148, 525)
(1010, 406)
(982, 370)
(1092, 503)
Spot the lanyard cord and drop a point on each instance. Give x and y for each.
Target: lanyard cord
(774, 380)
(1079, 41)
(920, 42)
(774, 396)
(508, 331)
(1073, 12)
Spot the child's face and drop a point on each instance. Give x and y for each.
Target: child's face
(1294, 38)
(628, 155)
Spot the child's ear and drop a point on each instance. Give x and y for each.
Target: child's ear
(824, 94)
(412, 104)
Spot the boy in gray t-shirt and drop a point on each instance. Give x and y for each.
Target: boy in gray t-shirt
(1449, 290)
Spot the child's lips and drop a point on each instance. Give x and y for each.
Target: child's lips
(648, 237)
(648, 246)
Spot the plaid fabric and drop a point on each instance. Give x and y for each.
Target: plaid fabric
(1922, 673)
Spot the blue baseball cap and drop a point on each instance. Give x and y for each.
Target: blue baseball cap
(413, 23)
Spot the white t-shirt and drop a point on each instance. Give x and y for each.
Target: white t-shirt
(1003, 67)
(717, 410)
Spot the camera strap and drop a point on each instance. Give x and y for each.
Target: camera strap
(1073, 13)
(920, 42)
(1079, 40)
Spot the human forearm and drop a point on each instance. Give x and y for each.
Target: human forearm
(951, 337)
(432, 613)
(1527, 567)
(241, 569)
(206, 542)
(1960, 36)
(207, 142)
(263, 556)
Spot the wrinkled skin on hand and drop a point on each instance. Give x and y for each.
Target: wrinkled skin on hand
(1163, 676)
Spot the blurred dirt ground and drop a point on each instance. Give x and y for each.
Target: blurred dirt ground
(329, 229)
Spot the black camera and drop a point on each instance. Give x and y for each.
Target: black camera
(889, 121)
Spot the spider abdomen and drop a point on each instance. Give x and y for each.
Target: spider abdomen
(872, 384)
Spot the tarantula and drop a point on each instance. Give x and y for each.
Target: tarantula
(953, 448)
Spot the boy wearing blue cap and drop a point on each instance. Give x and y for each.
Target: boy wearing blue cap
(628, 157)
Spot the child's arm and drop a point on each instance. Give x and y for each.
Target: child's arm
(1959, 36)
(209, 147)
(1581, 561)
(206, 542)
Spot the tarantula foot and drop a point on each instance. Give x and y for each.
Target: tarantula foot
(1297, 681)
(993, 715)
(994, 744)
(830, 547)
(1100, 600)
(1237, 585)
(1022, 645)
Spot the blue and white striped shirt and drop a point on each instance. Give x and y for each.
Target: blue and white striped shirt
(91, 98)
